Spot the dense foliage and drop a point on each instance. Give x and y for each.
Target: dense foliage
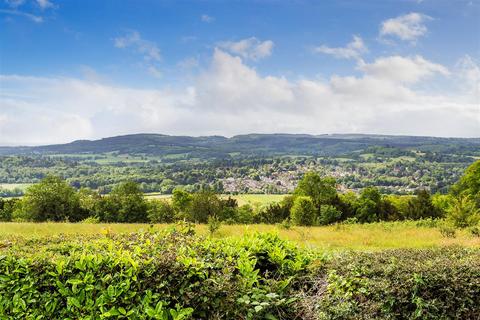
(150, 276)
(177, 275)
(398, 284)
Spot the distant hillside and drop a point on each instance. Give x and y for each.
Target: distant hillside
(250, 144)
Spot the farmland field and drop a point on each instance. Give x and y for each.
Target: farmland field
(251, 199)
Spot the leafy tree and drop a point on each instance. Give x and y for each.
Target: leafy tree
(245, 214)
(204, 204)
(320, 190)
(125, 203)
(181, 200)
(421, 207)
(328, 214)
(7, 207)
(160, 211)
(387, 211)
(366, 210)
(89, 201)
(303, 211)
(52, 199)
(463, 212)
(469, 183)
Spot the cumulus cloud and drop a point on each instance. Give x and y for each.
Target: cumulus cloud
(250, 48)
(353, 50)
(231, 98)
(408, 27)
(206, 18)
(402, 69)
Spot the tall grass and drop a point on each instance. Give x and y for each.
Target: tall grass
(375, 236)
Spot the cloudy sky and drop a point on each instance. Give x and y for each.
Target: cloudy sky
(95, 68)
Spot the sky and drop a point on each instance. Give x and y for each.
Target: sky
(87, 69)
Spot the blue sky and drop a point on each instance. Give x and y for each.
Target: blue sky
(88, 69)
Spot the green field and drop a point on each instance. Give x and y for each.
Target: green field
(12, 186)
(375, 236)
(251, 199)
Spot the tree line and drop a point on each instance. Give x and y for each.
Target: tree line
(315, 201)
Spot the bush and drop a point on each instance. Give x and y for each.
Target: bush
(160, 211)
(203, 205)
(328, 214)
(214, 224)
(52, 199)
(463, 212)
(303, 211)
(397, 284)
(150, 276)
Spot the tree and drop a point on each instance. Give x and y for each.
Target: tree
(320, 190)
(52, 199)
(204, 204)
(421, 206)
(366, 210)
(328, 214)
(469, 183)
(181, 200)
(160, 211)
(463, 212)
(303, 211)
(125, 203)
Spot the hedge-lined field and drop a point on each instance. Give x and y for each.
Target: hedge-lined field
(175, 274)
(372, 236)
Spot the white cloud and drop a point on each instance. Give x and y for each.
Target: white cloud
(206, 18)
(34, 18)
(402, 69)
(154, 71)
(231, 98)
(250, 48)
(353, 50)
(407, 27)
(44, 4)
(469, 74)
(14, 3)
(148, 49)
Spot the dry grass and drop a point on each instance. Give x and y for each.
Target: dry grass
(374, 236)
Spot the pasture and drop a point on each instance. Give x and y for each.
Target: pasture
(251, 199)
(370, 237)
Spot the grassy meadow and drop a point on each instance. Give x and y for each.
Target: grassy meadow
(251, 199)
(371, 237)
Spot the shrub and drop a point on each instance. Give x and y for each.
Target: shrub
(303, 211)
(150, 276)
(203, 205)
(463, 212)
(447, 231)
(91, 220)
(474, 231)
(214, 224)
(328, 214)
(160, 211)
(52, 199)
(397, 284)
